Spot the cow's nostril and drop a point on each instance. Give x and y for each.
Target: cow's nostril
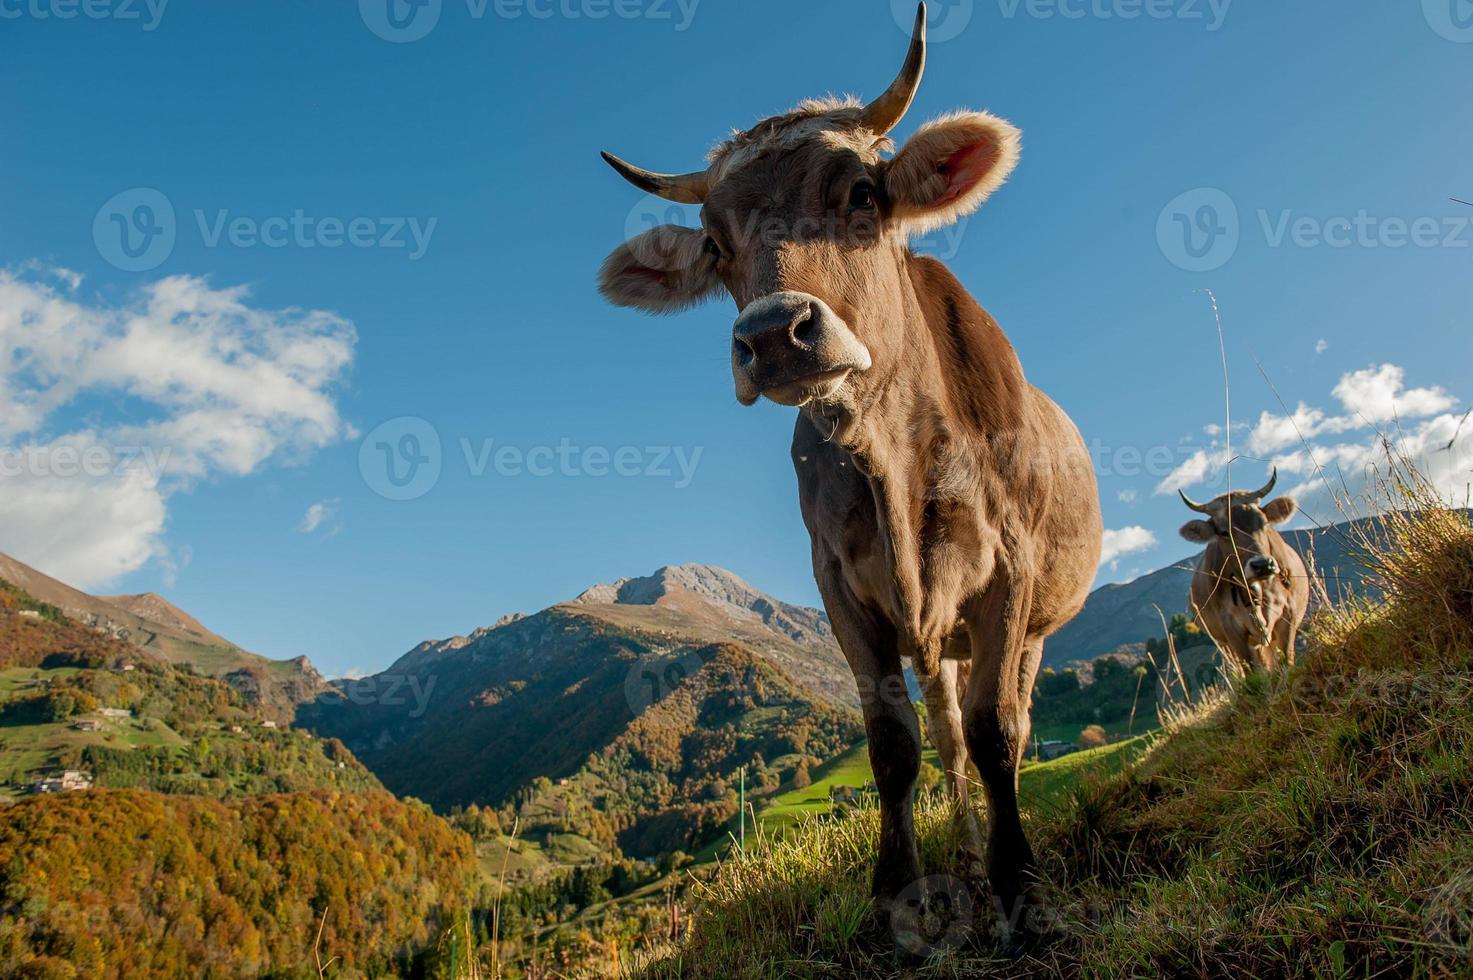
(804, 330)
(743, 351)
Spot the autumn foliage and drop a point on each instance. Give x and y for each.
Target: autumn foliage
(114, 884)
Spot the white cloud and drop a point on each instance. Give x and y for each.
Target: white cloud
(1321, 345)
(1193, 470)
(1310, 444)
(1379, 395)
(1125, 541)
(322, 514)
(1127, 496)
(192, 382)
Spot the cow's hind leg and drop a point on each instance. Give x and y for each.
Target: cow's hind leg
(997, 726)
(944, 725)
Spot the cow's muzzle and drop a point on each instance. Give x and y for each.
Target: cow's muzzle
(1262, 567)
(794, 349)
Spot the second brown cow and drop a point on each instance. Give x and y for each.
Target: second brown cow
(1251, 589)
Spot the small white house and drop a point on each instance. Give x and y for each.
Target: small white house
(69, 781)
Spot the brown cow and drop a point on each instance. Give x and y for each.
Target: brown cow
(1251, 591)
(952, 506)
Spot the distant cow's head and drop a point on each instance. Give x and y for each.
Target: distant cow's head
(1242, 528)
(806, 222)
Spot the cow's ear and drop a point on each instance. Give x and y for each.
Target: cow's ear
(949, 167)
(1199, 532)
(1280, 510)
(665, 270)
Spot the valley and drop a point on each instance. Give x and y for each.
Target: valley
(584, 764)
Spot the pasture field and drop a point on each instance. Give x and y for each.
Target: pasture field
(1042, 784)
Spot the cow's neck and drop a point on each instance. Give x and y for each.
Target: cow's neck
(947, 415)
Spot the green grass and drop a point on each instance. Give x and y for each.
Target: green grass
(27, 751)
(1040, 783)
(1116, 731)
(20, 680)
(1052, 784)
(1318, 823)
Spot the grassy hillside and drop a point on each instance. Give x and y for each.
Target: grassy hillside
(1320, 822)
(182, 732)
(161, 631)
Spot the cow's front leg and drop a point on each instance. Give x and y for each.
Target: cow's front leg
(944, 726)
(894, 731)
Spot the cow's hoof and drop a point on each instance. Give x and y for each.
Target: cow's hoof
(1029, 922)
(935, 915)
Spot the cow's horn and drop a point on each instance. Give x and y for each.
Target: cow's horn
(1268, 488)
(680, 188)
(885, 113)
(1199, 508)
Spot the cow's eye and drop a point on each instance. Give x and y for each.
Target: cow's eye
(711, 248)
(862, 197)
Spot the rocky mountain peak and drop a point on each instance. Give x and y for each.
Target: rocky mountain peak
(708, 590)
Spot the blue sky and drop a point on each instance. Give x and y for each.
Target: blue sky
(1295, 159)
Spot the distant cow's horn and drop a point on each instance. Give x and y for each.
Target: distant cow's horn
(681, 188)
(1268, 487)
(1199, 508)
(885, 113)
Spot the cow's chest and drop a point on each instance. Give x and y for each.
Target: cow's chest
(914, 564)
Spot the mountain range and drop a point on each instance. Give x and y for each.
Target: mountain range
(622, 716)
(153, 625)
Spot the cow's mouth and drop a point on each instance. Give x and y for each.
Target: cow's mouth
(818, 387)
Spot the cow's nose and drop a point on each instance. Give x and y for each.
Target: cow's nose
(777, 329)
(792, 346)
(1263, 566)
